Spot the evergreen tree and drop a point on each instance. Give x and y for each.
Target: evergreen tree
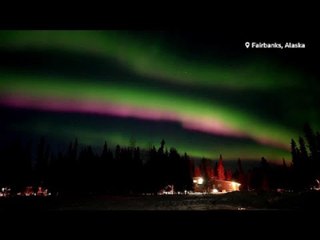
(117, 153)
(197, 172)
(228, 175)
(284, 164)
(318, 142)
(161, 149)
(311, 140)
(216, 169)
(303, 151)
(295, 154)
(191, 168)
(104, 154)
(210, 171)
(241, 176)
(264, 177)
(220, 169)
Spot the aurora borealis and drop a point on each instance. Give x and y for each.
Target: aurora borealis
(203, 97)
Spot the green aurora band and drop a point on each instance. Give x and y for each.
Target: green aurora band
(160, 63)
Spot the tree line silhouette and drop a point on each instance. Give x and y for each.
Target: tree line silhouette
(306, 158)
(82, 170)
(125, 171)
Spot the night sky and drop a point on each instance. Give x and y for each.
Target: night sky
(204, 93)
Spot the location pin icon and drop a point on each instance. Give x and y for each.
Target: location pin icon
(247, 44)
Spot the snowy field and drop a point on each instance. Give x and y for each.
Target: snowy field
(239, 201)
(230, 201)
(239, 210)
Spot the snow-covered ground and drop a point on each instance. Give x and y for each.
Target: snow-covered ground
(164, 202)
(229, 201)
(238, 201)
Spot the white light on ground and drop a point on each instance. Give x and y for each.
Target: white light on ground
(235, 186)
(200, 180)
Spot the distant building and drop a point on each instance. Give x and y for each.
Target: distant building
(214, 185)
